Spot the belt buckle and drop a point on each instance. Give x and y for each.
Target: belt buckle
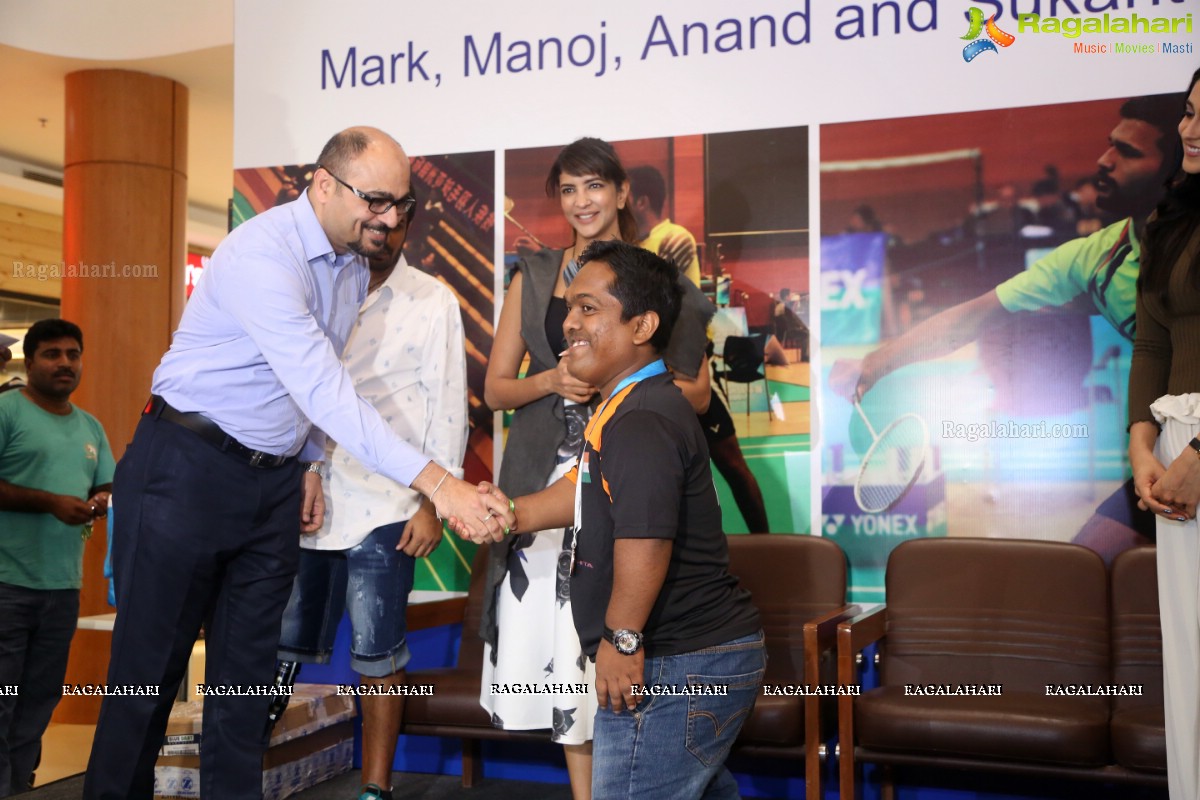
(256, 458)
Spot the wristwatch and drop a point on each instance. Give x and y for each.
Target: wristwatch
(314, 467)
(626, 641)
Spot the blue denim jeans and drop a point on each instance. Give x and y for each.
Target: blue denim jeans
(675, 745)
(372, 580)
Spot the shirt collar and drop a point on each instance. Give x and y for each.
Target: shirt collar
(393, 281)
(391, 285)
(312, 236)
(656, 367)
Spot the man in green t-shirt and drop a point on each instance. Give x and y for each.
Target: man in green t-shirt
(1142, 153)
(55, 472)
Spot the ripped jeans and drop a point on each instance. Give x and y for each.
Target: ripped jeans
(372, 580)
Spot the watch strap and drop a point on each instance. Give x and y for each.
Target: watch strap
(1195, 445)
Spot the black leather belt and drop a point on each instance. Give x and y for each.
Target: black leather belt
(211, 432)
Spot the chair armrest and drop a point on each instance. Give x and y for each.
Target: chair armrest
(852, 636)
(440, 612)
(819, 636)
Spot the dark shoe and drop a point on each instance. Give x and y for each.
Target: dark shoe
(373, 792)
(285, 676)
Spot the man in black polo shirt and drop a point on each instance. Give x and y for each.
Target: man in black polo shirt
(677, 643)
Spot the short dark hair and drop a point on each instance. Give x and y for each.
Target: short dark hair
(1162, 112)
(47, 330)
(592, 156)
(642, 281)
(342, 149)
(647, 182)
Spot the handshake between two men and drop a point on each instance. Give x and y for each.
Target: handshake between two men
(496, 516)
(481, 513)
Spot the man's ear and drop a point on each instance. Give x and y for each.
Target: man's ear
(647, 325)
(323, 185)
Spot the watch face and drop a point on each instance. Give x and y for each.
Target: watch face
(627, 642)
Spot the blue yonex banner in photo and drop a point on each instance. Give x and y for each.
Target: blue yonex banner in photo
(851, 288)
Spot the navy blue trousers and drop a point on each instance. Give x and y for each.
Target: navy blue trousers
(200, 537)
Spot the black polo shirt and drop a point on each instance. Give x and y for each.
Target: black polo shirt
(645, 475)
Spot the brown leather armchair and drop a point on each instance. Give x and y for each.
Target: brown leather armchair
(999, 619)
(798, 584)
(1139, 739)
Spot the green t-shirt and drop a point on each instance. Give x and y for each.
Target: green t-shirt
(1104, 266)
(60, 454)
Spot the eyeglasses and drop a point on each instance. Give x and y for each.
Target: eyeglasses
(377, 205)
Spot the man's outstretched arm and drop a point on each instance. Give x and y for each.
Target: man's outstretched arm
(937, 336)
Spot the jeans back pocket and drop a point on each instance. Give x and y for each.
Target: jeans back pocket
(718, 705)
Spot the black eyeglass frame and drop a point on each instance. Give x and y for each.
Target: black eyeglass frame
(377, 205)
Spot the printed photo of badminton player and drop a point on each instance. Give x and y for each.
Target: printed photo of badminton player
(993, 263)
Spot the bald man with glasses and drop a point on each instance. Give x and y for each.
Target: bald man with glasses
(224, 470)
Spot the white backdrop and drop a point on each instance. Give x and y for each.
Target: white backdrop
(283, 115)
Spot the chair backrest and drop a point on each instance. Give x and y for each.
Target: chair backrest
(1019, 613)
(744, 358)
(791, 578)
(470, 648)
(1136, 629)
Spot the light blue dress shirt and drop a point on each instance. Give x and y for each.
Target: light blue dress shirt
(258, 349)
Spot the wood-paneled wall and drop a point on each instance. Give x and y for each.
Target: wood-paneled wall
(30, 252)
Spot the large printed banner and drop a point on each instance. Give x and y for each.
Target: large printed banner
(926, 210)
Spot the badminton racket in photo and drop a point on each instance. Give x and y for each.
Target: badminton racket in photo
(509, 203)
(892, 464)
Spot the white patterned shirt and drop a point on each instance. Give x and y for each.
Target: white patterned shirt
(406, 357)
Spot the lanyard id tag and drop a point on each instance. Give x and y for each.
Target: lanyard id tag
(581, 475)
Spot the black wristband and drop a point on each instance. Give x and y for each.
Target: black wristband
(1195, 445)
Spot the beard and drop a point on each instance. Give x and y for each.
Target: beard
(52, 388)
(364, 248)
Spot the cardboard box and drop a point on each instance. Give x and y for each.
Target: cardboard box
(312, 707)
(288, 768)
(311, 743)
